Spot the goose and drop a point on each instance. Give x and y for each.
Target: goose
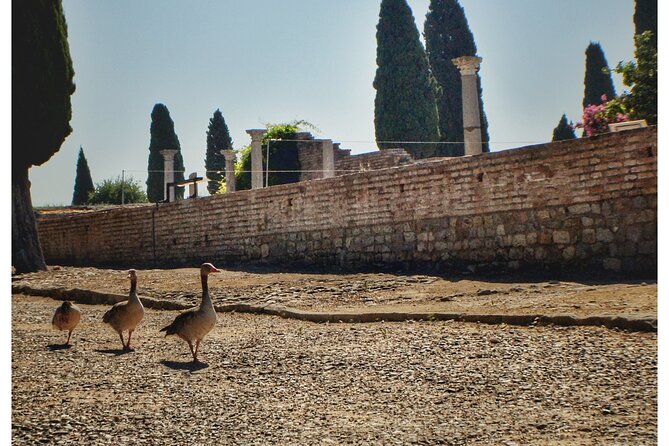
(66, 317)
(193, 325)
(126, 315)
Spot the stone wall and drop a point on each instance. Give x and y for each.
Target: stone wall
(587, 204)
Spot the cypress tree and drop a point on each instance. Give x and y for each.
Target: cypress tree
(83, 183)
(598, 80)
(42, 83)
(162, 137)
(218, 138)
(447, 36)
(563, 130)
(645, 18)
(405, 106)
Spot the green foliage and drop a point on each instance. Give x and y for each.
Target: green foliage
(645, 19)
(83, 183)
(405, 107)
(563, 130)
(218, 138)
(598, 80)
(162, 137)
(42, 81)
(111, 192)
(284, 163)
(447, 36)
(641, 101)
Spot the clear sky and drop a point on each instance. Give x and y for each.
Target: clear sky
(265, 61)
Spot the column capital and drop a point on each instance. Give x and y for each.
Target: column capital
(168, 154)
(467, 64)
(256, 134)
(229, 155)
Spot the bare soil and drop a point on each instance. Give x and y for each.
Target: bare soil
(368, 292)
(269, 380)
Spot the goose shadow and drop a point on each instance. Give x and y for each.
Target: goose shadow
(190, 365)
(114, 351)
(55, 347)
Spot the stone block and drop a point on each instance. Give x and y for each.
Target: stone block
(589, 236)
(561, 237)
(519, 240)
(500, 230)
(409, 236)
(604, 235)
(587, 221)
(582, 208)
(569, 252)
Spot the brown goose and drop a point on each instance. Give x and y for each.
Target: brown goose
(66, 317)
(126, 315)
(193, 325)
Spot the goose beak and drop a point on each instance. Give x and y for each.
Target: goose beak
(215, 270)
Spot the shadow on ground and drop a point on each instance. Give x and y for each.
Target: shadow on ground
(191, 366)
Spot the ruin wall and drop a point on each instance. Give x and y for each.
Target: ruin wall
(587, 204)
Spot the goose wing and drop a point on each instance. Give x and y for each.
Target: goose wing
(184, 319)
(114, 312)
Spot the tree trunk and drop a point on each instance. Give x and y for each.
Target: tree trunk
(26, 249)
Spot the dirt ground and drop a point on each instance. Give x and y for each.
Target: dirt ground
(269, 380)
(368, 292)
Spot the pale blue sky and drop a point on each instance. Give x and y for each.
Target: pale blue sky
(274, 61)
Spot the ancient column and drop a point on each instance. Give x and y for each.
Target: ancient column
(256, 157)
(230, 185)
(471, 115)
(168, 174)
(328, 158)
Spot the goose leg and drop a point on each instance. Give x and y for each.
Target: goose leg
(120, 333)
(128, 344)
(190, 345)
(68, 337)
(197, 347)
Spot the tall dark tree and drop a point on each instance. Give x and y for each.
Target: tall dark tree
(83, 183)
(405, 108)
(162, 137)
(42, 83)
(645, 18)
(447, 36)
(218, 138)
(563, 130)
(598, 80)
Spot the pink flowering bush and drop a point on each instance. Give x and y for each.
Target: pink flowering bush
(596, 118)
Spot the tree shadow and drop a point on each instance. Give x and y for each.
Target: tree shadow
(55, 347)
(114, 351)
(191, 366)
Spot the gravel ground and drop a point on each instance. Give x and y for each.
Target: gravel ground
(267, 380)
(367, 292)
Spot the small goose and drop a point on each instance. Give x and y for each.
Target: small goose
(126, 315)
(193, 325)
(66, 317)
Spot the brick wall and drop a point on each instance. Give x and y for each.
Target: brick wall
(310, 153)
(586, 204)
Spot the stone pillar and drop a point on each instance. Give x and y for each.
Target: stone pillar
(256, 157)
(328, 158)
(230, 185)
(471, 115)
(168, 174)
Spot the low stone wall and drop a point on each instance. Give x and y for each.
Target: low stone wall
(587, 204)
